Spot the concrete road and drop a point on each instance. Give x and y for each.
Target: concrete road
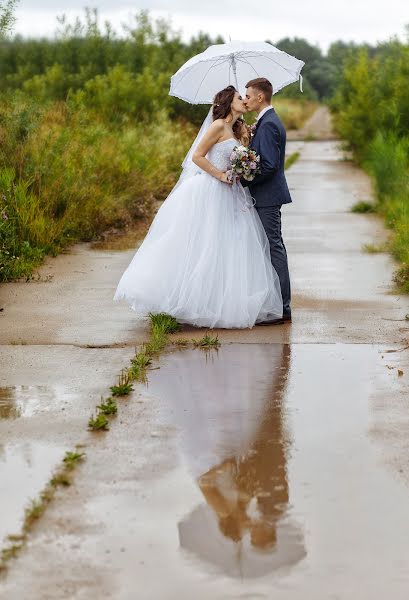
(275, 467)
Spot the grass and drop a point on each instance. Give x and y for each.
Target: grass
(124, 386)
(122, 389)
(401, 278)
(375, 248)
(363, 207)
(387, 160)
(163, 322)
(108, 408)
(157, 342)
(182, 342)
(294, 113)
(141, 360)
(139, 365)
(68, 174)
(71, 459)
(207, 341)
(99, 422)
(161, 325)
(61, 479)
(292, 159)
(36, 508)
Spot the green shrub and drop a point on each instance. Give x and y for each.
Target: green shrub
(68, 175)
(25, 231)
(120, 95)
(372, 114)
(387, 159)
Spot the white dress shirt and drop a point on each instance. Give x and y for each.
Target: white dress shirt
(263, 112)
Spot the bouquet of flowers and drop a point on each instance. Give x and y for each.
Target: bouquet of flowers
(245, 163)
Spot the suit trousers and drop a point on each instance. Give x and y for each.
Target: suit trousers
(270, 217)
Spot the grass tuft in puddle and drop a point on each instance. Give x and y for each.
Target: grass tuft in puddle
(139, 365)
(124, 386)
(163, 322)
(108, 407)
(182, 342)
(71, 459)
(99, 422)
(207, 341)
(60, 478)
(35, 509)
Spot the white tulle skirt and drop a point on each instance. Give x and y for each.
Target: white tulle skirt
(205, 260)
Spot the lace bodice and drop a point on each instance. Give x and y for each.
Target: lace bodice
(219, 154)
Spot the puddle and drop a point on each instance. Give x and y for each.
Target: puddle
(230, 408)
(27, 400)
(289, 484)
(24, 470)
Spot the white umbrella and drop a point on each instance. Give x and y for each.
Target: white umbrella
(203, 75)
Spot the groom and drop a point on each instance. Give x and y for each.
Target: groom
(270, 189)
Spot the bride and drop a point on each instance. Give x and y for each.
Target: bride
(205, 259)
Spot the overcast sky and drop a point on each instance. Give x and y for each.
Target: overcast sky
(319, 21)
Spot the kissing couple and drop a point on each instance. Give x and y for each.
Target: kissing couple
(214, 255)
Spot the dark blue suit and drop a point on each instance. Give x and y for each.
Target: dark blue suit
(270, 191)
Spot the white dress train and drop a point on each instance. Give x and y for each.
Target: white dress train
(205, 259)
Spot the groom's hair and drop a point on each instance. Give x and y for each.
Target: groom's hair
(262, 85)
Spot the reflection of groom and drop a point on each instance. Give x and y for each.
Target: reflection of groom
(270, 189)
(259, 473)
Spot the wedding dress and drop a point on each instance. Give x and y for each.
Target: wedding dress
(205, 259)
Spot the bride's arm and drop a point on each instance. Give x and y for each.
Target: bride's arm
(210, 138)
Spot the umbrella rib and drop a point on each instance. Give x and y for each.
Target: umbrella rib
(275, 62)
(216, 64)
(249, 64)
(190, 68)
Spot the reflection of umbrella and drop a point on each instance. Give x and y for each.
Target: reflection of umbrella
(202, 76)
(199, 533)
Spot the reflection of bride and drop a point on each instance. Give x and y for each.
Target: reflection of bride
(229, 408)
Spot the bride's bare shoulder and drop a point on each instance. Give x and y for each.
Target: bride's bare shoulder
(217, 126)
(215, 132)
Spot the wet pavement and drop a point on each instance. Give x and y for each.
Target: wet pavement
(44, 412)
(253, 470)
(25, 469)
(278, 486)
(277, 466)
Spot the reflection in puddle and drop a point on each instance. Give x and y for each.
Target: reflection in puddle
(24, 470)
(230, 408)
(25, 400)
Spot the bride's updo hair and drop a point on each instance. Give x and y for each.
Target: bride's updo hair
(222, 107)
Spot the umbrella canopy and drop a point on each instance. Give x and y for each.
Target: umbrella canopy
(236, 63)
(200, 535)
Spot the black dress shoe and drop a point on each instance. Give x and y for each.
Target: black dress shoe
(287, 318)
(272, 322)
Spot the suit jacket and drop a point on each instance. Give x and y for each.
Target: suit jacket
(270, 187)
